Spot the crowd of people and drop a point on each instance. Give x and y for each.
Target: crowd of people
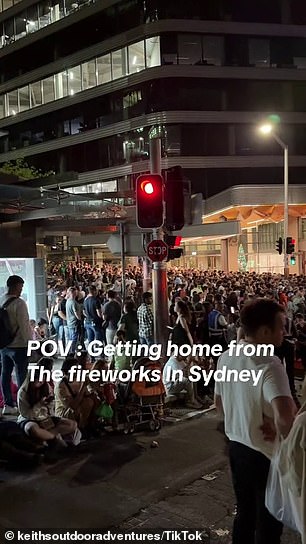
(86, 303)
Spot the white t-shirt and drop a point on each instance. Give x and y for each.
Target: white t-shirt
(245, 404)
(172, 364)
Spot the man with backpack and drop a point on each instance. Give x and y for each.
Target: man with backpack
(15, 332)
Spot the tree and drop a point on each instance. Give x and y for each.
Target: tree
(21, 169)
(242, 259)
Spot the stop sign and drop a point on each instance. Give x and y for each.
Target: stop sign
(157, 250)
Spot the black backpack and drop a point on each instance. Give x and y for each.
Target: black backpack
(6, 334)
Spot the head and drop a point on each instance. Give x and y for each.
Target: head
(129, 306)
(15, 285)
(147, 298)
(72, 292)
(38, 387)
(120, 336)
(263, 321)
(68, 364)
(92, 290)
(111, 295)
(182, 309)
(299, 319)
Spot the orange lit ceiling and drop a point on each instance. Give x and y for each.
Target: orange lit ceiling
(251, 215)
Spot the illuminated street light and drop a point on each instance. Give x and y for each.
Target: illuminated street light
(268, 129)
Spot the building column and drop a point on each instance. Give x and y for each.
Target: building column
(224, 255)
(233, 254)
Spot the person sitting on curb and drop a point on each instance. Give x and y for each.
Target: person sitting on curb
(174, 385)
(35, 404)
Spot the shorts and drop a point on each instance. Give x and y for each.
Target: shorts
(25, 424)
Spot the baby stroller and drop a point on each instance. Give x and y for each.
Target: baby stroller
(142, 402)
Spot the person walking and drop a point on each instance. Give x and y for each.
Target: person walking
(253, 416)
(15, 354)
(112, 314)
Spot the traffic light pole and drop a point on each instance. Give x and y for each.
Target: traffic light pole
(159, 272)
(286, 202)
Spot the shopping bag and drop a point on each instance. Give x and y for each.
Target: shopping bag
(280, 500)
(105, 411)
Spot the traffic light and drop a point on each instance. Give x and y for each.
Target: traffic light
(174, 253)
(149, 201)
(279, 246)
(292, 260)
(174, 199)
(290, 245)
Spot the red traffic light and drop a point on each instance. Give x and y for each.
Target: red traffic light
(149, 201)
(147, 187)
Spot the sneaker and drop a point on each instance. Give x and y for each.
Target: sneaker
(10, 411)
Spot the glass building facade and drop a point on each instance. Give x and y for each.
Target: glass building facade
(96, 71)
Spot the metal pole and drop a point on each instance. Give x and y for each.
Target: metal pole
(122, 261)
(286, 202)
(286, 211)
(159, 272)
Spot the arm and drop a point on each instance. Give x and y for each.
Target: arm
(219, 405)
(284, 411)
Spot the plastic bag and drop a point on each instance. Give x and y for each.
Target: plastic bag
(105, 411)
(280, 501)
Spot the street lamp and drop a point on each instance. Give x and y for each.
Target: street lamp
(268, 130)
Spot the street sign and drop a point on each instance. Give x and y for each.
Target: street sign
(157, 251)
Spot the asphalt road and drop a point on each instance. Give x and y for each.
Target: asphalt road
(122, 481)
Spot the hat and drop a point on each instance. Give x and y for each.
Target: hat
(14, 280)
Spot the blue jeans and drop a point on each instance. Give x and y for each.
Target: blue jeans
(74, 337)
(94, 332)
(146, 340)
(11, 357)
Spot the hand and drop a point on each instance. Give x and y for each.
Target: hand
(268, 429)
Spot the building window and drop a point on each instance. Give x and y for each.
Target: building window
(2, 106)
(32, 24)
(74, 80)
(36, 95)
(24, 98)
(136, 57)
(213, 50)
(153, 52)
(189, 49)
(259, 52)
(119, 63)
(44, 13)
(13, 102)
(61, 85)
(104, 69)
(89, 74)
(48, 89)
(9, 31)
(6, 4)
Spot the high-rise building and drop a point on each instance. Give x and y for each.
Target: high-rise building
(85, 84)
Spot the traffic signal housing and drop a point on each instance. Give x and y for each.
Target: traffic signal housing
(174, 199)
(279, 246)
(173, 252)
(149, 201)
(290, 245)
(292, 260)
